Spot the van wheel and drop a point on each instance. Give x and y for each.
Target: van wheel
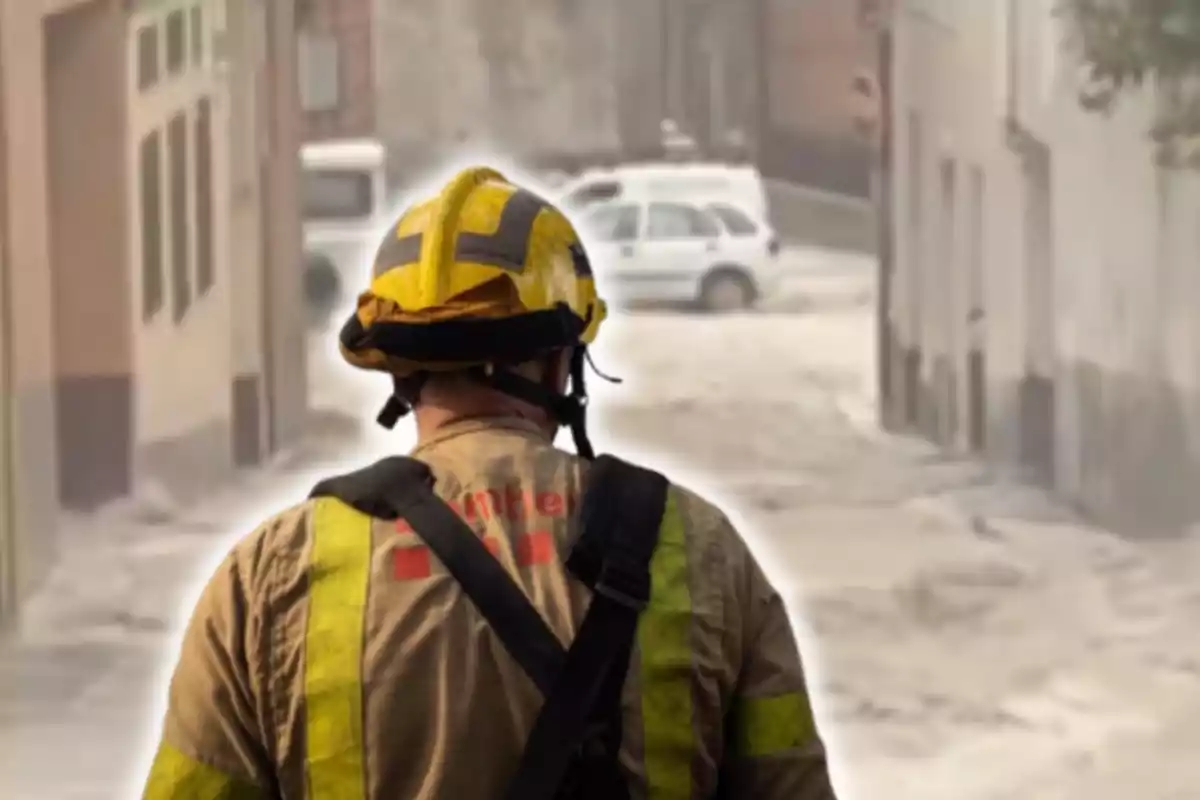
(726, 291)
(322, 288)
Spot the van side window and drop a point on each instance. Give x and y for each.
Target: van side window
(679, 221)
(734, 219)
(591, 193)
(614, 223)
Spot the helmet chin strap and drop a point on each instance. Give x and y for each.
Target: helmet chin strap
(569, 410)
(396, 407)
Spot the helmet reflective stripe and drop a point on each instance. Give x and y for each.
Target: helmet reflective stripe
(507, 248)
(397, 251)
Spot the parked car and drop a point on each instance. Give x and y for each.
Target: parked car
(740, 184)
(344, 203)
(717, 255)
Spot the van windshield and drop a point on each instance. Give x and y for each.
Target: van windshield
(333, 194)
(690, 183)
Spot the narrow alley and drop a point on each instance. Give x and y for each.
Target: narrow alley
(968, 638)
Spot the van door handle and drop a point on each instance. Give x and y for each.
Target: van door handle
(626, 250)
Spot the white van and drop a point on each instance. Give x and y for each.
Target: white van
(709, 254)
(684, 181)
(344, 198)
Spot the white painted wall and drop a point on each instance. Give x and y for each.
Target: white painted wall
(1126, 240)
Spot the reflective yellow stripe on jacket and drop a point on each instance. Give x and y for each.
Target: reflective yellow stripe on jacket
(333, 694)
(665, 642)
(176, 776)
(767, 726)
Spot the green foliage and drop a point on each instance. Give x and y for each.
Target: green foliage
(1127, 44)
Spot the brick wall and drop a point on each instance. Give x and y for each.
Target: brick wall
(816, 50)
(819, 54)
(349, 23)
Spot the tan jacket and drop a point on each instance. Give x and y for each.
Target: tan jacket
(332, 658)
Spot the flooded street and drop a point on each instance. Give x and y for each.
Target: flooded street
(967, 638)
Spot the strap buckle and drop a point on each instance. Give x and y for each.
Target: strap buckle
(624, 586)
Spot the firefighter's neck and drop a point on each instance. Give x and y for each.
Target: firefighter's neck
(454, 400)
(434, 414)
(447, 402)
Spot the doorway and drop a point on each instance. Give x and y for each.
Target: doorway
(947, 366)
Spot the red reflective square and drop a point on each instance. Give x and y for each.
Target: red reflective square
(535, 547)
(411, 563)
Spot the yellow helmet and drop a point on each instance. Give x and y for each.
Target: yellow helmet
(484, 274)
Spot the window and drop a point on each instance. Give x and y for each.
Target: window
(177, 156)
(677, 221)
(914, 177)
(591, 193)
(175, 42)
(205, 268)
(320, 75)
(197, 29)
(1053, 42)
(947, 269)
(337, 194)
(147, 57)
(975, 243)
(735, 220)
(150, 189)
(614, 223)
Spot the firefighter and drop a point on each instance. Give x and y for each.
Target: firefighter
(352, 648)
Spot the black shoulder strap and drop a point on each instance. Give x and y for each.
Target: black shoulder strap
(402, 487)
(620, 534)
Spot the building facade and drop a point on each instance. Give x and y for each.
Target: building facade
(1042, 290)
(563, 83)
(128, 354)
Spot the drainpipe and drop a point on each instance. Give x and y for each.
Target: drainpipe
(269, 229)
(8, 490)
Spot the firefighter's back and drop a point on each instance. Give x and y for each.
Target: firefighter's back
(439, 686)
